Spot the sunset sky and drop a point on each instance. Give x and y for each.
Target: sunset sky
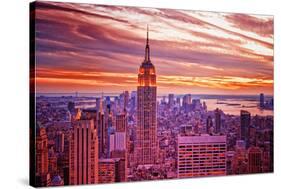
(90, 48)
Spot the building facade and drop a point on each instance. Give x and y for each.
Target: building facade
(106, 171)
(42, 159)
(83, 153)
(202, 155)
(209, 124)
(254, 160)
(146, 142)
(217, 121)
(111, 170)
(245, 121)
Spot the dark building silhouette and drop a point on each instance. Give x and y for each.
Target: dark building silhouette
(245, 121)
(254, 160)
(209, 124)
(261, 100)
(217, 121)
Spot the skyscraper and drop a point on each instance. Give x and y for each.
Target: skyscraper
(42, 161)
(111, 170)
(218, 121)
(171, 100)
(120, 132)
(102, 128)
(186, 99)
(196, 104)
(117, 138)
(60, 142)
(255, 160)
(98, 104)
(146, 141)
(83, 153)
(186, 102)
(126, 99)
(261, 100)
(121, 164)
(202, 155)
(178, 101)
(118, 147)
(209, 124)
(245, 121)
(106, 171)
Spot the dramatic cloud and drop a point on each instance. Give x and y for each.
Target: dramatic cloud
(260, 26)
(94, 48)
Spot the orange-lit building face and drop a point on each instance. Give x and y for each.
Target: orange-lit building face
(147, 76)
(146, 139)
(106, 171)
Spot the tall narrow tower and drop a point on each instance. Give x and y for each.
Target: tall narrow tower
(146, 143)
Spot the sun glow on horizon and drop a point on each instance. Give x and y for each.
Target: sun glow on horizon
(102, 48)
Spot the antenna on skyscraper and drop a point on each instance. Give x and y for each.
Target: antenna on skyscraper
(147, 34)
(101, 102)
(147, 49)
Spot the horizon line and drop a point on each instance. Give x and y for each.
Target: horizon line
(104, 93)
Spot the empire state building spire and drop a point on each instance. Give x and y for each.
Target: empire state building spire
(146, 137)
(147, 49)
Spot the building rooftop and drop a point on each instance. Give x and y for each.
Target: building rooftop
(201, 139)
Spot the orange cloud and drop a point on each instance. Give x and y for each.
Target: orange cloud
(99, 48)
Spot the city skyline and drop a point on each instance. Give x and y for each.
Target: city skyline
(135, 135)
(188, 50)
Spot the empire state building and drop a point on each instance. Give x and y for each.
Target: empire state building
(146, 143)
